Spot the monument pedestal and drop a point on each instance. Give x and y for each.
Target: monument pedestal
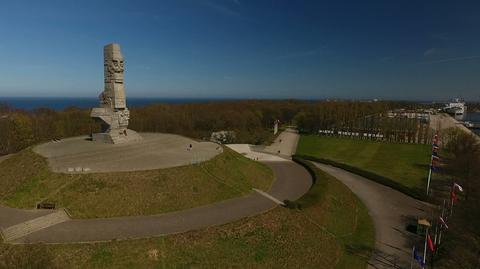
(117, 138)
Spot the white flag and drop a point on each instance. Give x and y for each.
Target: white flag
(456, 186)
(443, 223)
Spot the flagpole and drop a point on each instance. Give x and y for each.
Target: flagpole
(431, 162)
(429, 177)
(451, 199)
(443, 208)
(440, 237)
(443, 217)
(425, 247)
(412, 258)
(451, 207)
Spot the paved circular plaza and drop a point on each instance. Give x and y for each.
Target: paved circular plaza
(155, 151)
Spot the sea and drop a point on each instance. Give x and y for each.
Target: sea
(473, 117)
(59, 103)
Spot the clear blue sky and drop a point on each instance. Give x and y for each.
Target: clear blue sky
(244, 48)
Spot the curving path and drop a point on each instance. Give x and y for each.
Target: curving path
(291, 182)
(391, 211)
(4, 157)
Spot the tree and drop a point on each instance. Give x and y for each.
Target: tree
(463, 160)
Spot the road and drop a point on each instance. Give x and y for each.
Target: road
(285, 144)
(281, 149)
(391, 211)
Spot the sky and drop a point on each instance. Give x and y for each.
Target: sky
(408, 50)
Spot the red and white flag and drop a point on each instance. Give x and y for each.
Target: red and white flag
(458, 187)
(442, 222)
(435, 139)
(431, 246)
(453, 196)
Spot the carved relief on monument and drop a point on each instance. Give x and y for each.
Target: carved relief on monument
(114, 64)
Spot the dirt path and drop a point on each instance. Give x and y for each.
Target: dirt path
(391, 211)
(4, 157)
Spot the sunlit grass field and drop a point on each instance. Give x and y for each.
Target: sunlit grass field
(406, 164)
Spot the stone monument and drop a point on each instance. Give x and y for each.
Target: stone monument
(275, 126)
(113, 111)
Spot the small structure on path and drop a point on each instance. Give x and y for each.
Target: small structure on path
(113, 111)
(275, 127)
(223, 137)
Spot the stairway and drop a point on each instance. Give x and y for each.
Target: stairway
(20, 230)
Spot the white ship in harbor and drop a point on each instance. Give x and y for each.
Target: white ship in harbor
(456, 107)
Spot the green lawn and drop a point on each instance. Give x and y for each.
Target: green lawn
(406, 164)
(26, 179)
(333, 230)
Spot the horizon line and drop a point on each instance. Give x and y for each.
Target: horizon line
(247, 98)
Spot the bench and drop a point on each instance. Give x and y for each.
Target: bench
(45, 205)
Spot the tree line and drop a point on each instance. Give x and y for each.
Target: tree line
(369, 118)
(251, 120)
(461, 245)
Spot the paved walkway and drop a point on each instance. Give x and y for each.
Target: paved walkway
(296, 180)
(11, 216)
(247, 151)
(291, 182)
(285, 144)
(391, 211)
(281, 149)
(24, 228)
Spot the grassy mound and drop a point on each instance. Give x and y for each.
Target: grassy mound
(25, 179)
(405, 165)
(333, 230)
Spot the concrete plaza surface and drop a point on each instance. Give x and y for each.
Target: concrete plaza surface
(154, 151)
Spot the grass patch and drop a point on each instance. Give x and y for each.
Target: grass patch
(401, 166)
(342, 215)
(25, 179)
(333, 230)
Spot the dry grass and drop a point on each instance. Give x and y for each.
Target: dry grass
(26, 179)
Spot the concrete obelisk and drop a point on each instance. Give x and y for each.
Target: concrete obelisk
(113, 111)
